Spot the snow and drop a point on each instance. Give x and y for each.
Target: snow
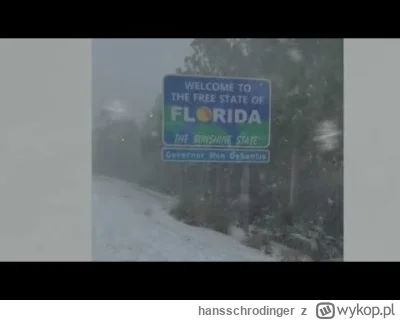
(295, 55)
(132, 224)
(327, 135)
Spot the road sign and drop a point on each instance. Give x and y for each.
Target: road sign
(215, 155)
(207, 112)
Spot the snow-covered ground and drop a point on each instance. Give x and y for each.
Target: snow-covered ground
(132, 224)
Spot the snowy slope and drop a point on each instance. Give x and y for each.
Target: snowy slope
(131, 224)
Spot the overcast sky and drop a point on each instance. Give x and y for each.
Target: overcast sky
(132, 70)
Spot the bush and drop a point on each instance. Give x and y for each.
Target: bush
(199, 212)
(270, 244)
(303, 241)
(186, 211)
(259, 240)
(218, 217)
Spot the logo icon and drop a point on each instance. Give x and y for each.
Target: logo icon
(204, 114)
(325, 310)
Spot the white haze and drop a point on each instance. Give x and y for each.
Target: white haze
(130, 71)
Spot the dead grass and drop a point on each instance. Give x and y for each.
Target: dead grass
(196, 211)
(266, 242)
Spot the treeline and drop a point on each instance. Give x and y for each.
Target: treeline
(301, 190)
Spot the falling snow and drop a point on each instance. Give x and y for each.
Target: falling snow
(295, 55)
(327, 136)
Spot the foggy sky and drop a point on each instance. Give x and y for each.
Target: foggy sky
(132, 70)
